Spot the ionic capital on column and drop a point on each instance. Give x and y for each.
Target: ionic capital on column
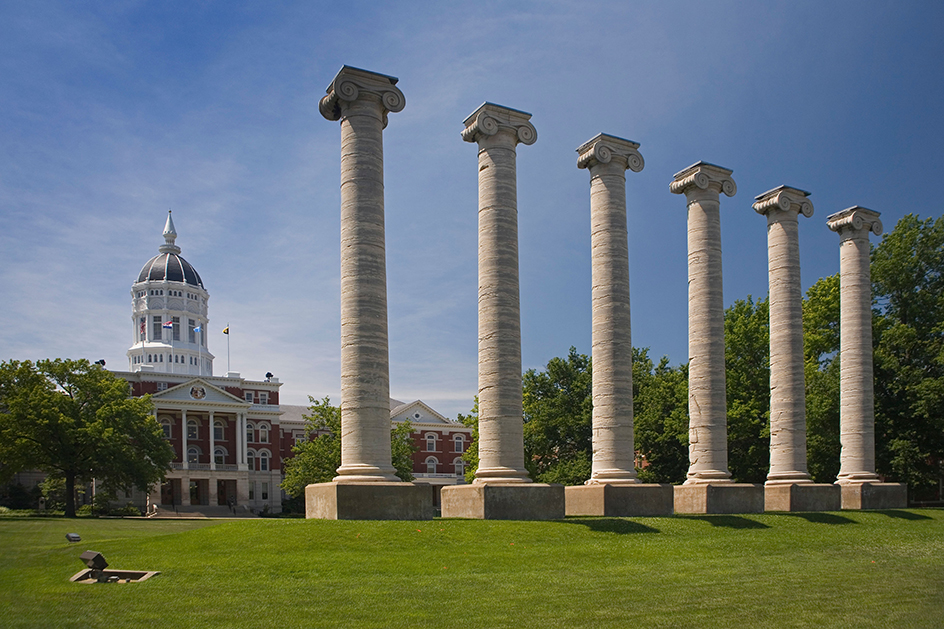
(494, 121)
(606, 149)
(703, 176)
(855, 222)
(775, 203)
(352, 84)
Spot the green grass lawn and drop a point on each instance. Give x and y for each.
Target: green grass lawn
(849, 569)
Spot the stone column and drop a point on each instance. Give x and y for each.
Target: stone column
(607, 158)
(502, 489)
(708, 488)
(366, 486)
(861, 485)
(856, 405)
(361, 101)
(701, 184)
(788, 486)
(497, 130)
(782, 207)
(613, 489)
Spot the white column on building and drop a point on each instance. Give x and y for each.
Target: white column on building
(212, 442)
(183, 440)
(607, 158)
(702, 184)
(497, 130)
(240, 439)
(361, 100)
(856, 386)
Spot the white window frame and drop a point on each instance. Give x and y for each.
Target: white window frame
(218, 424)
(192, 423)
(432, 463)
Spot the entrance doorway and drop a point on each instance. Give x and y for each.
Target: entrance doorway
(200, 492)
(226, 492)
(170, 492)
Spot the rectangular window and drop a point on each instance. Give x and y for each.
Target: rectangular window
(248, 396)
(191, 429)
(161, 386)
(218, 432)
(156, 329)
(252, 490)
(176, 321)
(191, 324)
(265, 491)
(263, 397)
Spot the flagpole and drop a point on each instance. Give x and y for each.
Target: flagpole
(227, 348)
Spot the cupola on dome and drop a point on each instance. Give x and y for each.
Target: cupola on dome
(168, 265)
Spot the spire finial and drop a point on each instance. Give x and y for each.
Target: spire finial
(170, 235)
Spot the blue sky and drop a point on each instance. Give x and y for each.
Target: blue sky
(113, 113)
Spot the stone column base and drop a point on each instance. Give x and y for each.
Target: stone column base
(802, 497)
(720, 498)
(875, 496)
(512, 501)
(368, 501)
(618, 501)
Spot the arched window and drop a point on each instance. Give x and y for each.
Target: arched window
(460, 466)
(263, 433)
(458, 443)
(431, 463)
(250, 434)
(264, 461)
(251, 460)
(219, 456)
(217, 430)
(165, 426)
(430, 442)
(191, 429)
(193, 454)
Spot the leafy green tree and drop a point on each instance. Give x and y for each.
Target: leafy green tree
(317, 460)
(821, 368)
(77, 421)
(471, 454)
(908, 331)
(747, 377)
(660, 409)
(558, 405)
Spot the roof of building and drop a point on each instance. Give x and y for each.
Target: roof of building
(168, 265)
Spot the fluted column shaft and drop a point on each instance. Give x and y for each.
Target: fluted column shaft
(497, 130)
(361, 100)
(607, 158)
(707, 397)
(782, 207)
(856, 386)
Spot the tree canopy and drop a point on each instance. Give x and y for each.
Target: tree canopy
(317, 460)
(77, 421)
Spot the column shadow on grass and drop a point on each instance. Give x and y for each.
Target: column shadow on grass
(729, 521)
(903, 515)
(611, 525)
(820, 517)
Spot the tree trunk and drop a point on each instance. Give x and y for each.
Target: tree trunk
(70, 495)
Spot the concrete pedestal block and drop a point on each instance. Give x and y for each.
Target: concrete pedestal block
(368, 501)
(802, 497)
(619, 501)
(512, 501)
(875, 496)
(720, 498)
